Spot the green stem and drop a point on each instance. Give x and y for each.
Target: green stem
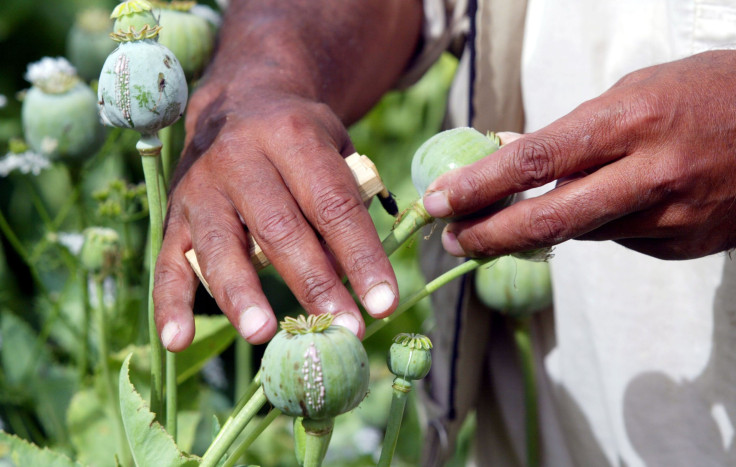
(171, 386)
(402, 388)
(409, 222)
(108, 380)
(243, 366)
(13, 239)
(229, 433)
(171, 395)
(66, 208)
(165, 135)
(522, 338)
(149, 148)
(21, 251)
(238, 452)
(38, 204)
(249, 392)
(75, 174)
(425, 291)
(319, 433)
(84, 340)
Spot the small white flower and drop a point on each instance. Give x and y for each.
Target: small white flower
(25, 162)
(207, 13)
(73, 241)
(53, 75)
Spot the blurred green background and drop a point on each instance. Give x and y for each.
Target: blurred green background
(389, 135)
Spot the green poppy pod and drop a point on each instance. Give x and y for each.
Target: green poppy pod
(515, 286)
(313, 369)
(142, 87)
(189, 36)
(134, 19)
(101, 249)
(88, 42)
(410, 356)
(59, 112)
(451, 149)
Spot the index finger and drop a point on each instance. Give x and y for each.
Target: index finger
(588, 137)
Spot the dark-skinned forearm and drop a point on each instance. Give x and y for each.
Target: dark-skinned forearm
(344, 53)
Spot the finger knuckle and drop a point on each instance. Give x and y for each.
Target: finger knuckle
(336, 208)
(547, 225)
(471, 184)
(534, 161)
(231, 291)
(475, 243)
(213, 246)
(644, 113)
(297, 128)
(317, 287)
(282, 228)
(165, 279)
(361, 261)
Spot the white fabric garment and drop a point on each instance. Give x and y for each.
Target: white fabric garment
(644, 371)
(643, 367)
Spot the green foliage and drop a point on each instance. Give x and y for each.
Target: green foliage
(148, 440)
(92, 430)
(20, 452)
(52, 392)
(214, 335)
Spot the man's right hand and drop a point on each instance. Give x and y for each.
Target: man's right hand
(266, 139)
(274, 161)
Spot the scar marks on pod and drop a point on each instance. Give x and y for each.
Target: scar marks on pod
(313, 379)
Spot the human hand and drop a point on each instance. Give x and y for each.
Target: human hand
(650, 163)
(273, 160)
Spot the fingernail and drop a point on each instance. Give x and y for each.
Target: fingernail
(507, 137)
(169, 333)
(347, 320)
(252, 320)
(379, 299)
(451, 245)
(437, 204)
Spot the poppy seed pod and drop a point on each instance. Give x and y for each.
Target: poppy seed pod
(189, 36)
(515, 286)
(313, 369)
(88, 42)
(59, 112)
(142, 87)
(409, 357)
(451, 149)
(134, 19)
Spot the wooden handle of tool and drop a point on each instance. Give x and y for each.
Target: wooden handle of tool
(369, 185)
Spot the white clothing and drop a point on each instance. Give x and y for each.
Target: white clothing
(646, 348)
(642, 369)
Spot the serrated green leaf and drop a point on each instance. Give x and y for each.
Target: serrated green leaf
(20, 452)
(213, 335)
(150, 443)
